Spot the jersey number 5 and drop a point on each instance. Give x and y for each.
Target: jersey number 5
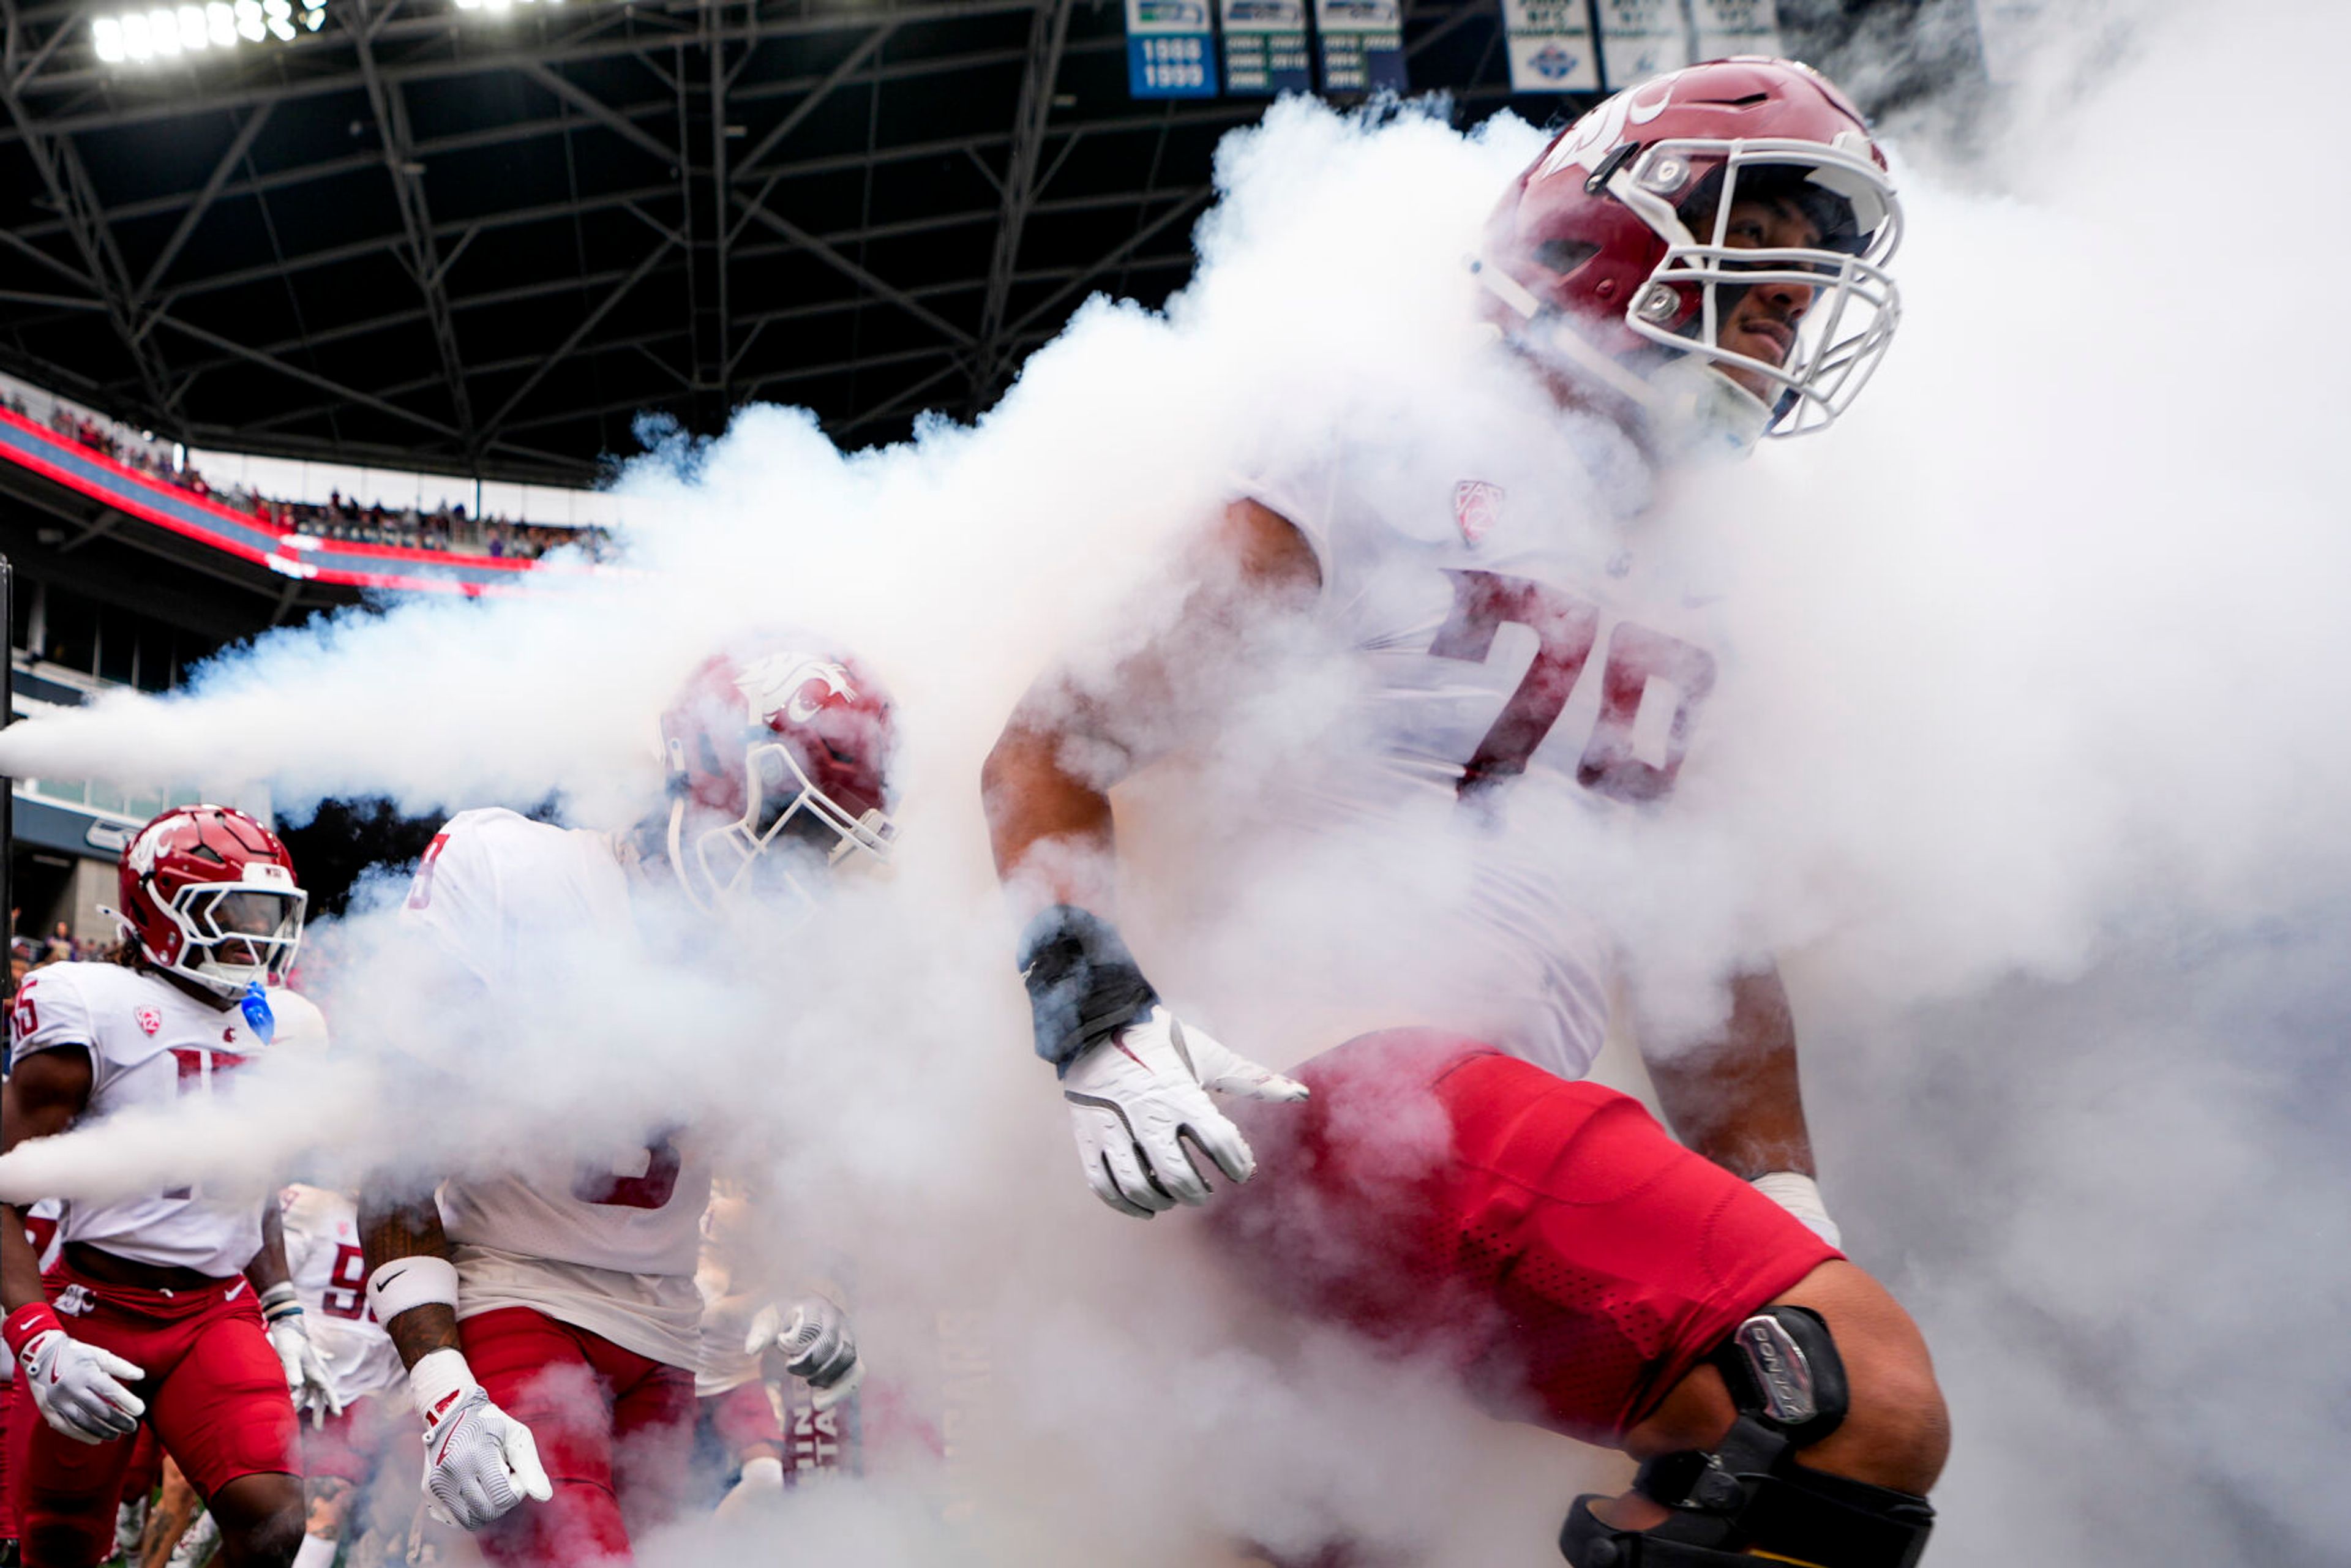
(1565, 629)
(651, 1190)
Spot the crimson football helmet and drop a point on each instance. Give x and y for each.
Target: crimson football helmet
(1609, 257)
(782, 750)
(209, 894)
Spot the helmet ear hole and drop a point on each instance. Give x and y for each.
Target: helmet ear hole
(1564, 256)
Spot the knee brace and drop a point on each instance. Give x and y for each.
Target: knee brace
(1748, 1497)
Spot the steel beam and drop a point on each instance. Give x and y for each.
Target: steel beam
(896, 296)
(578, 334)
(597, 109)
(424, 259)
(1048, 31)
(239, 145)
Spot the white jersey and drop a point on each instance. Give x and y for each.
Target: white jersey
(152, 1045)
(609, 1245)
(729, 1302)
(329, 1274)
(1521, 674)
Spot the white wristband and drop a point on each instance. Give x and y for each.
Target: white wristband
(405, 1283)
(438, 1380)
(1801, 1196)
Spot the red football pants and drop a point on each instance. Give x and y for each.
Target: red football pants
(1547, 1237)
(215, 1399)
(354, 1441)
(614, 1429)
(742, 1417)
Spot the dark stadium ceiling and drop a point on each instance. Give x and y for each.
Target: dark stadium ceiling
(451, 237)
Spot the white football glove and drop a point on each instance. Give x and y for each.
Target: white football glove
(761, 1478)
(1135, 1096)
(308, 1381)
(80, 1387)
(813, 1336)
(479, 1461)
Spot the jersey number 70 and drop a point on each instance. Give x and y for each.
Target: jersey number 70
(1565, 629)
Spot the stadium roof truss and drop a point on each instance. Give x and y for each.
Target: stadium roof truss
(425, 234)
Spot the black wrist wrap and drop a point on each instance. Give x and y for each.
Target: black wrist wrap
(1084, 985)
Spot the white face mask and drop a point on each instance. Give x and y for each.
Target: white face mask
(786, 813)
(1855, 305)
(234, 935)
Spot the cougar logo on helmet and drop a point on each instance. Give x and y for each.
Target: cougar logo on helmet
(147, 845)
(1590, 139)
(779, 683)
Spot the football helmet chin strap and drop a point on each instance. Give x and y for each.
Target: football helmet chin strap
(1749, 1497)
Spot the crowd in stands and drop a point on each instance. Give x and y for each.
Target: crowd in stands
(342, 518)
(61, 946)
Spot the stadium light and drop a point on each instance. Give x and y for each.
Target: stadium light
(168, 33)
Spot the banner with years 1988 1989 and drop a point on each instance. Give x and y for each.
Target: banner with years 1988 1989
(1170, 49)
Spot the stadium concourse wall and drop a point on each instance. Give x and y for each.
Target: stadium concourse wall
(70, 832)
(290, 554)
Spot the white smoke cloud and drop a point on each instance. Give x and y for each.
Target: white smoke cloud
(2028, 752)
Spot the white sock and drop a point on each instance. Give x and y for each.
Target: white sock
(317, 1552)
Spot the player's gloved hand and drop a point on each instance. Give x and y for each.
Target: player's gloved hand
(1136, 1080)
(306, 1378)
(79, 1386)
(813, 1337)
(761, 1478)
(1136, 1099)
(1801, 1196)
(479, 1461)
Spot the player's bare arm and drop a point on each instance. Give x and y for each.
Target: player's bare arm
(1735, 1098)
(391, 1231)
(42, 1097)
(1136, 1080)
(268, 1269)
(80, 1389)
(308, 1381)
(1047, 784)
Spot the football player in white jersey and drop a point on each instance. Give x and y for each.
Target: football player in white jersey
(340, 1452)
(174, 1307)
(1695, 264)
(508, 1295)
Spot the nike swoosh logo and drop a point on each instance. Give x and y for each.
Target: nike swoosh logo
(232, 1290)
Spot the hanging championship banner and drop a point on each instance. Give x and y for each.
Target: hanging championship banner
(1265, 47)
(1363, 45)
(1170, 49)
(1638, 38)
(1550, 45)
(1726, 27)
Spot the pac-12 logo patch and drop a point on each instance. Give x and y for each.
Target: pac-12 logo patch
(150, 1020)
(1475, 504)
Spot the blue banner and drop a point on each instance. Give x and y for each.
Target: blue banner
(1363, 45)
(1265, 47)
(1170, 49)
